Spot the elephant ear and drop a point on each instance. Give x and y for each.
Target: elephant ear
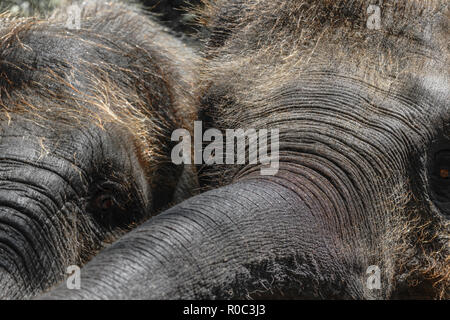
(253, 238)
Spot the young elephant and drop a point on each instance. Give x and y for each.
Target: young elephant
(360, 205)
(88, 99)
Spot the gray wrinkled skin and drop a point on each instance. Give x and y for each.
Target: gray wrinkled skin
(364, 126)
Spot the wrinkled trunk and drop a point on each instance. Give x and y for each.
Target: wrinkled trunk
(254, 238)
(11, 282)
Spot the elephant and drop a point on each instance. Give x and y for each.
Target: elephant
(359, 206)
(88, 98)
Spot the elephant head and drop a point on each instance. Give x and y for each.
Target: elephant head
(86, 114)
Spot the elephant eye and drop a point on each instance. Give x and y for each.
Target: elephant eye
(440, 179)
(105, 202)
(442, 164)
(444, 173)
(112, 204)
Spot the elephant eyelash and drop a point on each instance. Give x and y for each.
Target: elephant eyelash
(112, 204)
(107, 202)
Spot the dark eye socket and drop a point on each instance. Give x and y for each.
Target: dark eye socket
(112, 205)
(440, 180)
(105, 202)
(444, 173)
(442, 165)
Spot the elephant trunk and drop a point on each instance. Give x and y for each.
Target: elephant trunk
(241, 240)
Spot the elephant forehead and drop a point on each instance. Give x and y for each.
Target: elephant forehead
(337, 95)
(62, 146)
(329, 107)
